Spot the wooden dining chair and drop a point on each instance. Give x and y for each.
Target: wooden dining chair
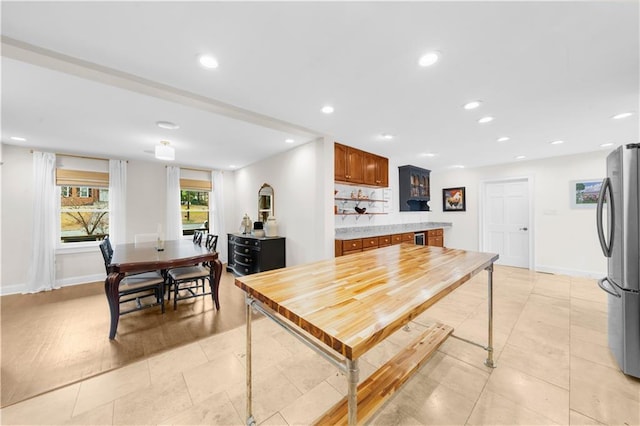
(188, 282)
(134, 288)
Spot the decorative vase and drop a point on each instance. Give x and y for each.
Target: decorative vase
(245, 225)
(271, 227)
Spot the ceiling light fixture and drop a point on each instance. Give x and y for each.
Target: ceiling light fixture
(429, 59)
(606, 144)
(622, 115)
(167, 125)
(208, 61)
(386, 136)
(556, 142)
(233, 166)
(472, 105)
(165, 152)
(503, 139)
(428, 154)
(457, 166)
(327, 109)
(520, 157)
(486, 119)
(18, 139)
(289, 140)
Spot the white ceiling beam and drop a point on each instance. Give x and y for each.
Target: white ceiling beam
(35, 55)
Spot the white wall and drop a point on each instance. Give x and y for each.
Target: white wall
(302, 179)
(565, 239)
(17, 200)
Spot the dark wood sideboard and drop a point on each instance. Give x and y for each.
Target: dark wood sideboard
(249, 254)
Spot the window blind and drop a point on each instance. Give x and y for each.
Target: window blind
(67, 177)
(195, 184)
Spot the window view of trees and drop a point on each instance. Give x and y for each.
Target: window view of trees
(84, 213)
(194, 206)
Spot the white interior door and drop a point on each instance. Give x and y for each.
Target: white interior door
(506, 225)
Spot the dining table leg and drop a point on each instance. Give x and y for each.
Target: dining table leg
(111, 289)
(214, 277)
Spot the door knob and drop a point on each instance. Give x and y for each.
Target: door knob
(524, 229)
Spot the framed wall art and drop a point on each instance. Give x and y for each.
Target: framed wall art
(584, 193)
(454, 199)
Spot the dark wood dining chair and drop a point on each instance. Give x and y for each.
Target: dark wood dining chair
(134, 288)
(188, 282)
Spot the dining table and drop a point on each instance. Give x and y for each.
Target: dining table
(133, 258)
(345, 306)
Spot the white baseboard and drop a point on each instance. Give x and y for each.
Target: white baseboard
(12, 289)
(64, 282)
(570, 272)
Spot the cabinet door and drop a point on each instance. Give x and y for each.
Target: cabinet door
(340, 162)
(382, 172)
(370, 169)
(355, 165)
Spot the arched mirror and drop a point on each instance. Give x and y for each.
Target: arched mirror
(265, 202)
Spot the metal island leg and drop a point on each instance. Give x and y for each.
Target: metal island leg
(250, 420)
(489, 361)
(353, 373)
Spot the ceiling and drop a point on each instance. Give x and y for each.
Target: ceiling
(93, 78)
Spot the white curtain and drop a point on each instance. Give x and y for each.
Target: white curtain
(174, 215)
(42, 267)
(217, 220)
(117, 201)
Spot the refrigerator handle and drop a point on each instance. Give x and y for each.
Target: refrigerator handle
(604, 189)
(608, 288)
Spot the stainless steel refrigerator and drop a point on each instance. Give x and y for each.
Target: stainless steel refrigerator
(618, 217)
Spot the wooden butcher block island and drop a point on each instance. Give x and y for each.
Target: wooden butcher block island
(344, 307)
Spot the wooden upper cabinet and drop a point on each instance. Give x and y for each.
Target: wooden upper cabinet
(355, 165)
(340, 162)
(382, 171)
(352, 165)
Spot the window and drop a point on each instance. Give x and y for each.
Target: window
(194, 206)
(84, 205)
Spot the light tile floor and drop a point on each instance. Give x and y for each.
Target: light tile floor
(554, 367)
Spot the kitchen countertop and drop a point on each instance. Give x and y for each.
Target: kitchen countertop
(350, 233)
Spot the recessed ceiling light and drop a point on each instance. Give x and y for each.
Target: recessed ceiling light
(386, 136)
(606, 144)
(472, 105)
(429, 59)
(289, 140)
(457, 166)
(233, 166)
(18, 139)
(503, 139)
(327, 109)
(520, 157)
(486, 119)
(428, 154)
(622, 115)
(167, 125)
(556, 142)
(208, 61)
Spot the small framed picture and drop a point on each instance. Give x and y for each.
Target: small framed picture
(454, 199)
(584, 193)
